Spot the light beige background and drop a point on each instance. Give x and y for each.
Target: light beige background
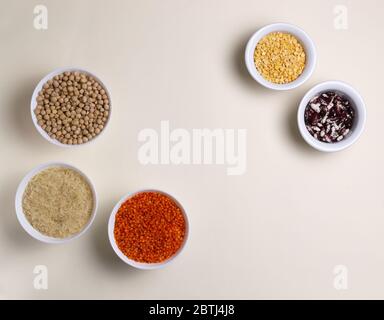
(277, 231)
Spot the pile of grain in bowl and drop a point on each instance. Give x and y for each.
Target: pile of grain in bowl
(149, 227)
(72, 108)
(280, 57)
(58, 202)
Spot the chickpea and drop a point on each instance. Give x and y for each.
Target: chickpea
(72, 107)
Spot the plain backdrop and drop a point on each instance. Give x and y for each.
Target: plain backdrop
(279, 230)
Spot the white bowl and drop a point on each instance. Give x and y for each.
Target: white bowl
(359, 120)
(122, 256)
(303, 38)
(34, 104)
(24, 221)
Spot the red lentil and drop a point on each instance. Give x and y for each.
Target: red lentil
(149, 227)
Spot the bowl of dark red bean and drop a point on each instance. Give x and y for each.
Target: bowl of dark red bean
(331, 116)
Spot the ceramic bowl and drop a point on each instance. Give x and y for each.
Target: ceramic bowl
(122, 256)
(24, 221)
(303, 38)
(359, 121)
(34, 105)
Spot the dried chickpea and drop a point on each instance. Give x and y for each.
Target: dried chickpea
(68, 107)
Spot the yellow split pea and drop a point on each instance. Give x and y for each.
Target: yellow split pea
(279, 57)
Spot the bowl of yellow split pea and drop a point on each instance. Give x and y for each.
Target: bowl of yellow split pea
(280, 56)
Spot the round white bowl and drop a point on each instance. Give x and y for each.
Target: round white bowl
(34, 105)
(358, 124)
(122, 256)
(24, 221)
(303, 38)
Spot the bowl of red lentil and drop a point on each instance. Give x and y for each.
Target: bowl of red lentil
(148, 229)
(70, 107)
(280, 56)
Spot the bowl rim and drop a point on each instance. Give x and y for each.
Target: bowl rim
(141, 265)
(34, 233)
(359, 107)
(304, 39)
(38, 88)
